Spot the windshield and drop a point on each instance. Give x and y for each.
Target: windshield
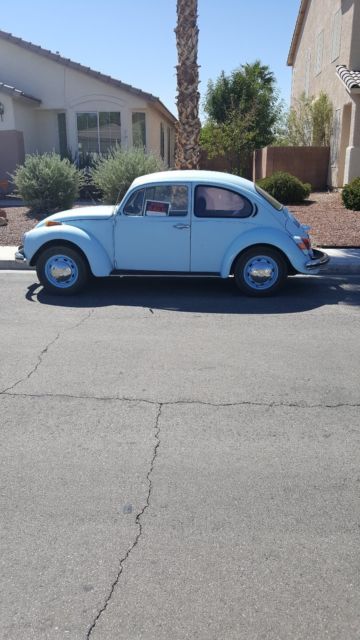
(274, 203)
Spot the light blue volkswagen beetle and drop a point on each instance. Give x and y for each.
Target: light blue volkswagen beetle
(175, 222)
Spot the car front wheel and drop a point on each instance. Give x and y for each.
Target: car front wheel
(62, 270)
(260, 271)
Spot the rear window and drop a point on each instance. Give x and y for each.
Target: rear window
(274, 203)
(217, 202)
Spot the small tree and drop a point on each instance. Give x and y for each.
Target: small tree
(299, 132)
(242, 109)
(322, 115)
(230, 140)
(310, 122)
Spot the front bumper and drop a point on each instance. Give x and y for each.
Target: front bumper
(20, 255)
(320, 258)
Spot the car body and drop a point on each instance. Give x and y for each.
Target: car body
(175, 222)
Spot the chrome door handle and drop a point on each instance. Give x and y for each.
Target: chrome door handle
(181, 226)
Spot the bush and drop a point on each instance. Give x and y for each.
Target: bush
(351, 195)
(47, 182)
(285, 187)
(114, 173)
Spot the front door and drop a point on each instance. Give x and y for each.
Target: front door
(152, 231)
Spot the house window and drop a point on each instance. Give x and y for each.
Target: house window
(307, 73)
(98, 132)
(319, 53)
(336, 36)
(335, 139)
(169, 146)
(162, 141)
(63, 145)
(139, 130)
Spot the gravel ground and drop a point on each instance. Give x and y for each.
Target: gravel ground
(331, 224)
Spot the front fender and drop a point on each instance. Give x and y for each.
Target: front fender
(266, 235)
(99, 261)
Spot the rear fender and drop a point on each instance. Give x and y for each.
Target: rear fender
(273, 238)
(99, 261)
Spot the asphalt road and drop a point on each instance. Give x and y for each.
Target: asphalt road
(178, 461)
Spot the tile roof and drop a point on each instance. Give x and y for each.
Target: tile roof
(56, 57)
(17, 93)
(350, 78)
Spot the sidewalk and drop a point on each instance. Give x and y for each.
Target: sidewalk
(342, 262)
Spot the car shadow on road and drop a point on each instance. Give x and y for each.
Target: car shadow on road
(205, 295)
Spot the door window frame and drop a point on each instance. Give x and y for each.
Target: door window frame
(122, 211)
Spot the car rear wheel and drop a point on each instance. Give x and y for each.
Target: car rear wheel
(62, 270)
(260, 271)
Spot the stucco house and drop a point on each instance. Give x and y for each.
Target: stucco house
(48, 102)
(325, 56)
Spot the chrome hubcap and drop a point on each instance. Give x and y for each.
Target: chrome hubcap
(261, 272)
(61, 271)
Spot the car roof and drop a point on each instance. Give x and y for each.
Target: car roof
(195, 175)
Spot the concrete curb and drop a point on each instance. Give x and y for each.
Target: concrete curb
(342, 262)
(7, 260)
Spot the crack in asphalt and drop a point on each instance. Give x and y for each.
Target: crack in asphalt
(34, 369)
(138, 522)
(43, 352)
(167, 403)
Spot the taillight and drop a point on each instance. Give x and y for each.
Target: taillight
(303, 243)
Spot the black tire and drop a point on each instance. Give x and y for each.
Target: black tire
(264, 258)
(61, 257)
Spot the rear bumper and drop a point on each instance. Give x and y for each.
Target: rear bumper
(320, 258)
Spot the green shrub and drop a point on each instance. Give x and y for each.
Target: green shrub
(285, 187)
(351, 195)
(47, 182)
(114, 173)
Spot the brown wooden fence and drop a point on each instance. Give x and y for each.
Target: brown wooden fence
(309, 164)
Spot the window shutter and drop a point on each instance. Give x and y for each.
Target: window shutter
(319, 52)
(336, 36)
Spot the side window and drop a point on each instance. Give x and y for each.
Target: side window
(166, 200)
(216, 202)
(135, 204)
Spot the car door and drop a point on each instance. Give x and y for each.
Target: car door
(152, 230)
(220, 215)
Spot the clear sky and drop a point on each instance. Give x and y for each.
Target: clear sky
(134, 40)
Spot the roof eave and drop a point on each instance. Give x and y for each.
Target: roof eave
(156, 102)
(82, 69)
(298, 27)
(19, 95)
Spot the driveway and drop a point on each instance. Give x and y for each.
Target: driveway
(178, 461)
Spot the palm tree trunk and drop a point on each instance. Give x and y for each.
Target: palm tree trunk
(187, 149)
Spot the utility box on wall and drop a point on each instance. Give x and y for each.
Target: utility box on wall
(309, 164)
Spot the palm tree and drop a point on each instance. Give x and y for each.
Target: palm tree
(187, 150)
